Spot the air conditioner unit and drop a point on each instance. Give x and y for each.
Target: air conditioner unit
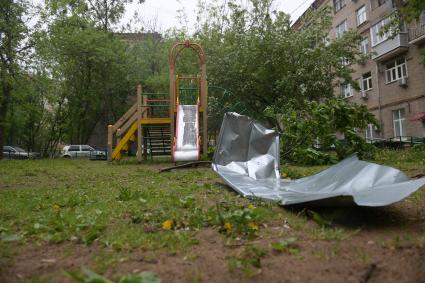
(363, 94)
(403, 82)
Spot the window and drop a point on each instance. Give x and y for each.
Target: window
(375, 32)
(341, 29)
(8, 149)
(398, 122)
(74, 148)
(361, 15)
(369, 132)
(346, 90)
(339, 4)
(345, 61)
(86, 148)
(377, 3)
(366, 82)
(395, 70)
(364, 45)
(18, 149)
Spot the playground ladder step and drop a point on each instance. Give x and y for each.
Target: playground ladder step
(160, 153)
(158, 137)
(159, 145)
(155, 130)
(159, 148)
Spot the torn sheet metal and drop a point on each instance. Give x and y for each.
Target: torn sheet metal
(247, 158)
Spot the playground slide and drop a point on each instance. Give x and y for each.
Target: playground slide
(186, 144)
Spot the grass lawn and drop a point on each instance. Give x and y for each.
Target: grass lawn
(60, 218)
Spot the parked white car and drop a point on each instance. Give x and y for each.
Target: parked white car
(82, 151)
(14, 152)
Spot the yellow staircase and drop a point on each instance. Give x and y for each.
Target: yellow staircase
(130, 127)
(130, 136)
(124, 144)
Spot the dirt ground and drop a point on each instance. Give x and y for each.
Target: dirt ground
(384, 245)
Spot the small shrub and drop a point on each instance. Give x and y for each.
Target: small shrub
(311, 156)
(310, 125)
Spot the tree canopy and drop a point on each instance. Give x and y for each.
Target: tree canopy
(82, 75)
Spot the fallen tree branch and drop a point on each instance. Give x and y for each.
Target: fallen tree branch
(186, 165)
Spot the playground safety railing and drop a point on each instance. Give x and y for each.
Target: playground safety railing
(157, 104)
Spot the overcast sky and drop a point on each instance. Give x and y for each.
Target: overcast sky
(166, 15)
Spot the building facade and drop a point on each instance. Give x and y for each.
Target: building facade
(392, 81)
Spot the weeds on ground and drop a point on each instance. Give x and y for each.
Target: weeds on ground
(327, 253)
(122, 207)
(330, 234)
(405, 241)
(248, 261)
(244, 221)
(394, 157)
(129, 207)
(88, 276)
(362, 255)
(290, 171)
(288, 245)
(113, 200)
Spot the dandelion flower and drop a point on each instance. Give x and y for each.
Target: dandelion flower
(251, 206)
(228, 226)
(253, 226)
(167, 225)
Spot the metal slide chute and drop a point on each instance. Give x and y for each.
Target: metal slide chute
(186, 145)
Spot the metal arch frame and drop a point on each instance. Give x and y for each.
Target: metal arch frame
(173, 54)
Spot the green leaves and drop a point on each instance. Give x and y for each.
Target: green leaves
(313, 128)
(273, 67)
(92, 69)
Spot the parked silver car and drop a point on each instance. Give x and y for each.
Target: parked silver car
(14, 152)
(82, 151)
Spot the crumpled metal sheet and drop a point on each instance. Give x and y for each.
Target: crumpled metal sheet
(247, 158)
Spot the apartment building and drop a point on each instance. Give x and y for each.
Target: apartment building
(393, 81)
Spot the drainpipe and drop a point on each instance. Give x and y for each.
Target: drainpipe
(381, 129)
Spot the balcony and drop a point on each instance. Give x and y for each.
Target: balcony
(391, 47)
(417, 35)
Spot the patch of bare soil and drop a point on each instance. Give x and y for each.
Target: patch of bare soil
(46, 261)
(383, 245)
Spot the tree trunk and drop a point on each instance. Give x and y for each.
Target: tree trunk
(1, 138)
(3, 112)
